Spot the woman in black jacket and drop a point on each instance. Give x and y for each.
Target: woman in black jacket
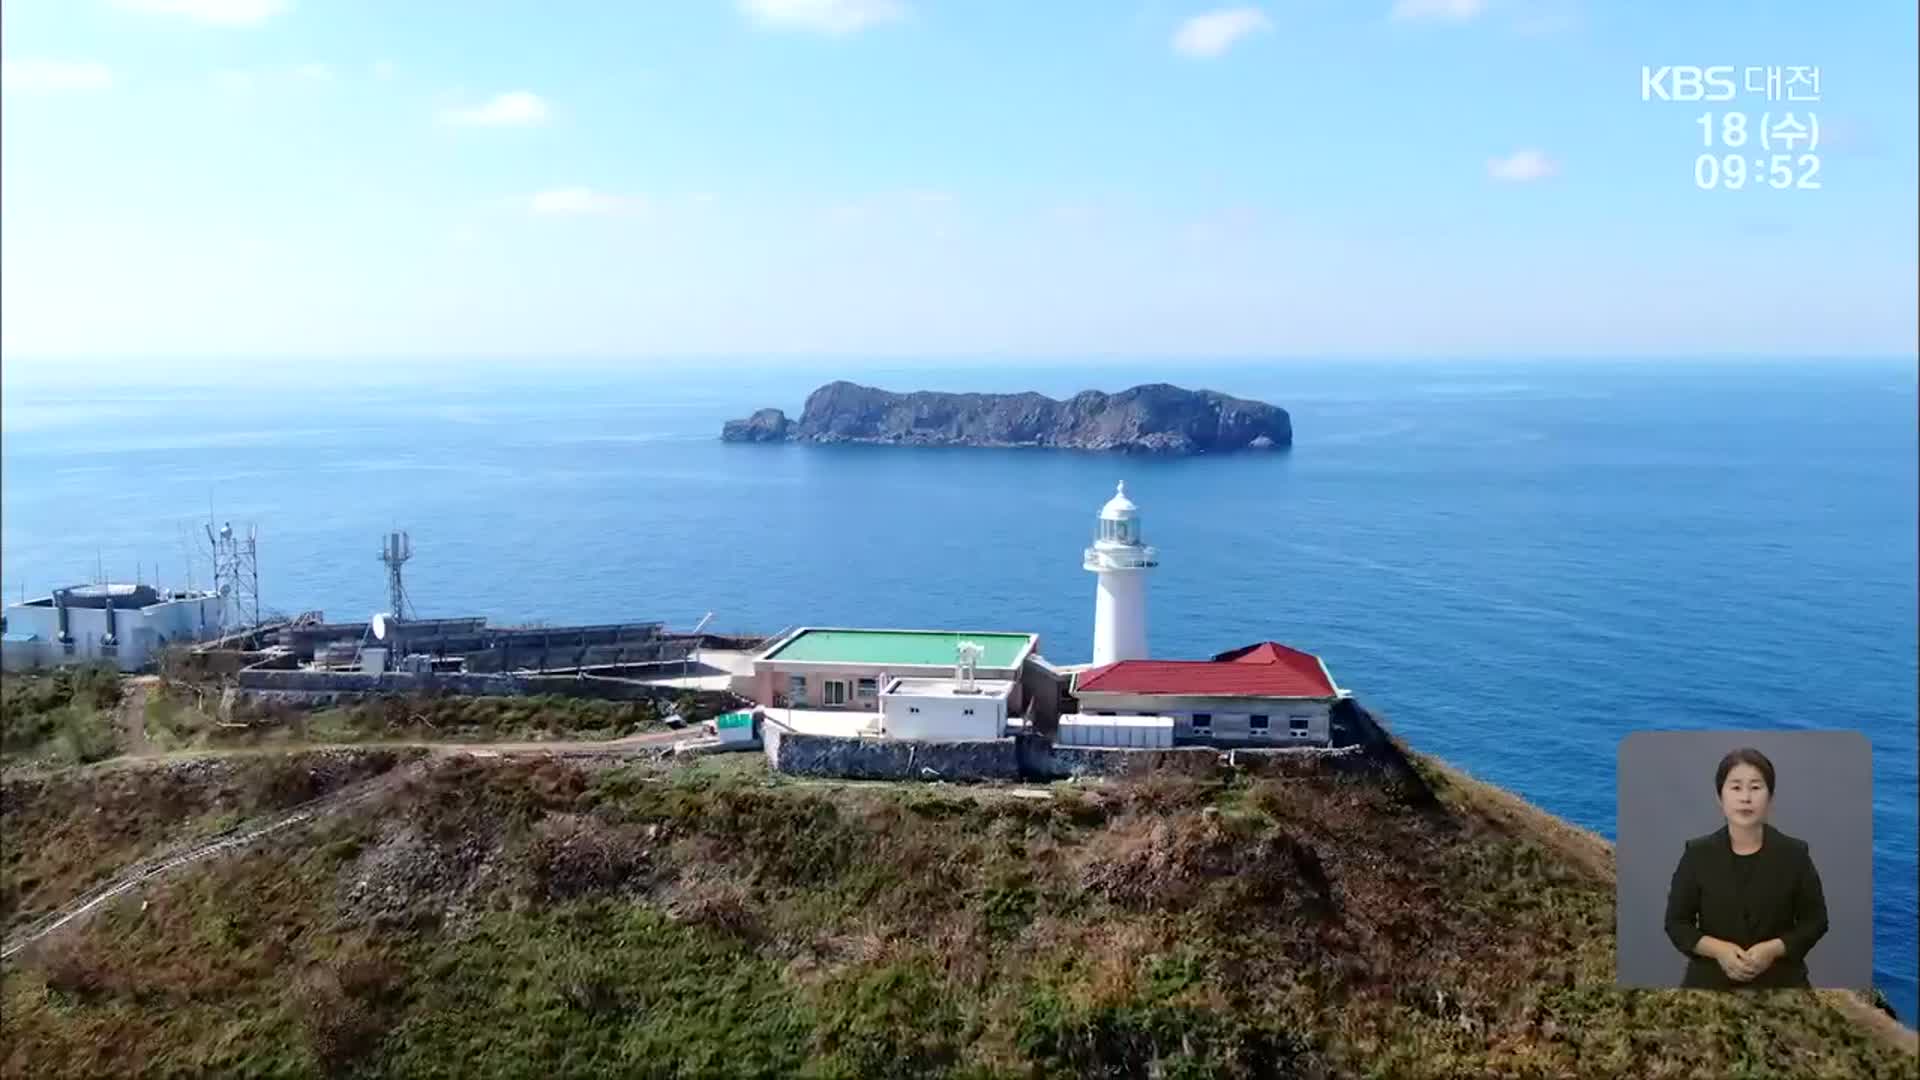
(1745, 905)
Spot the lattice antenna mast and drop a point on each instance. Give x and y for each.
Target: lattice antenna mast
(236, 574)
(395, 549)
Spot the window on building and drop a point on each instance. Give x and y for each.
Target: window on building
(913, 708)
(1297, 726)
(797, 685)
(867, 687)
(966, 712)
(1203, 721)
(834, 692)
(1257, 722)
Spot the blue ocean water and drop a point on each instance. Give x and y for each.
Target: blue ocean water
(1516, 563)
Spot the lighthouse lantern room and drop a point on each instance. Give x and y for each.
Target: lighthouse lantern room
(1121, 560)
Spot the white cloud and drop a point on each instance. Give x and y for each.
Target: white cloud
(314, 72)
(212, 12)
(824, 16)
(1523, 167)
(580, 200)
(383, 69)
(1216, 31)
(1438, 10)
(515, 107)
(55, 75)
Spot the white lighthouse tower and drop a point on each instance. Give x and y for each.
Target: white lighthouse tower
(1122, 561)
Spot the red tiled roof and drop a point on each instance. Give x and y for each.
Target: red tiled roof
(1267, 669)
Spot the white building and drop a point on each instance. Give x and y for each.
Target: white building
(1122, 560)
(946, 710)
(126, 625)
(1262, 694)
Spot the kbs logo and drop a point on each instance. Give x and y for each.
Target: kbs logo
(1683, 83)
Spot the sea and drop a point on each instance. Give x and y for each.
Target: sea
(1514, 562)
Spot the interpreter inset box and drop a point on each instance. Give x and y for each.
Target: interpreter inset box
(1744, 860)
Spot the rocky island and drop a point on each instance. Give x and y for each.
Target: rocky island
(1153, 419)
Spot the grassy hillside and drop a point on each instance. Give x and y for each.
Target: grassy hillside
(67, 831)
(517, 918)
(63, 717)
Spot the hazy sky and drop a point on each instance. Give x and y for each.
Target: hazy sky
(269, 178)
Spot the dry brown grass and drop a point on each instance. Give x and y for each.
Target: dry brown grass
(53, 854)
(1327, 924)
(711, 897)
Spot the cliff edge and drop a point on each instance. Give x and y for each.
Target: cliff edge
(1154, 419)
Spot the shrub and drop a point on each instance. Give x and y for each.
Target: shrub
(84, 736)
(345, 1004)
(899, 1020)
(56, 706)
(571, 856)
(1141, 1039)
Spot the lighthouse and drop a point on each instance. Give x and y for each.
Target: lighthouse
(1122, 561)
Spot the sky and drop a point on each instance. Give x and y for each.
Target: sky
(273, 180)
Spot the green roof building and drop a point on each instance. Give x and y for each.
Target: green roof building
(820, 667)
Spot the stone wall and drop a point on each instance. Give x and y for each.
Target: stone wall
(852, 758)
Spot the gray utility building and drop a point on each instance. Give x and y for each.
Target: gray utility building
(125, 625)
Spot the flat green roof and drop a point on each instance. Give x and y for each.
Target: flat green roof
(931, 648)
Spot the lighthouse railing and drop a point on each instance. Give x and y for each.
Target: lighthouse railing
(1123, 558)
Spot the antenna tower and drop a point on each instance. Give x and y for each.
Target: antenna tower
(236, 574)
(395, 549)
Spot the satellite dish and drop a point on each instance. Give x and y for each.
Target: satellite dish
(380, 627)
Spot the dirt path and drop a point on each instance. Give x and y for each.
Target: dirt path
(131, 716)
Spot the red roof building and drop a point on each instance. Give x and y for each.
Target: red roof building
(1264, 670)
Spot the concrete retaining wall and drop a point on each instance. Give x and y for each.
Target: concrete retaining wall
(1034, 757)
(1042, 760)
(789, 751)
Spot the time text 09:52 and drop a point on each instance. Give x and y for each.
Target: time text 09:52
(1750, 161)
